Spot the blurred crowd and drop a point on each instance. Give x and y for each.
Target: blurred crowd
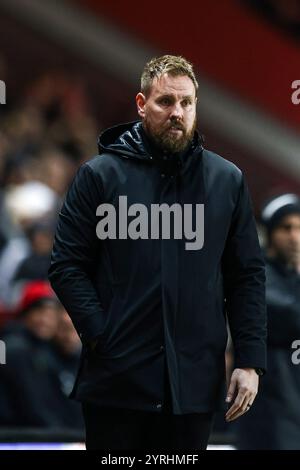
(44, 136)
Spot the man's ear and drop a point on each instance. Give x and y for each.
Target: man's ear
(140, 100)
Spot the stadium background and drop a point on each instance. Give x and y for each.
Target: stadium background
(72, 68)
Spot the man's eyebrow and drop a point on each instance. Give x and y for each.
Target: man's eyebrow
(171, 96)
(165, 95)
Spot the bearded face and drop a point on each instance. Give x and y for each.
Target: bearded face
(169, 112)
(173, 138)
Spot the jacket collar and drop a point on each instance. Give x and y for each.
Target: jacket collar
(129, 140)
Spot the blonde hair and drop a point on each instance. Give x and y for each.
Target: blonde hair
(171, 64)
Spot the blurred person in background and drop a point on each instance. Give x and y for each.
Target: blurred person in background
(35, 266)
(67, 352)
(274, 422)
(151, 314)
(42, 359)
(26, 379)
(26, 207)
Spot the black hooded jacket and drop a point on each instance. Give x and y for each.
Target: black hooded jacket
(151, 301)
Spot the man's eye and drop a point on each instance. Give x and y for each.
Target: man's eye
(165, 101)
(186, 103)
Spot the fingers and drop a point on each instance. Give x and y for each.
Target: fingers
(242, 411)
(231, 389)
(244, 382)
(240, 405)
(236, 406)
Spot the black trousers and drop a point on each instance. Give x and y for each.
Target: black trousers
(124, 429)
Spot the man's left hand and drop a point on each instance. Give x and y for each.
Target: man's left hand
(243, 383)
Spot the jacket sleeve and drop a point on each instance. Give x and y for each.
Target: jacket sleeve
(74, 251)
(244, 282)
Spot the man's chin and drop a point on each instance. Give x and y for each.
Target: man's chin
(171, 140)
(176, 146)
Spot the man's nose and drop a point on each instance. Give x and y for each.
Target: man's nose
(176, 112)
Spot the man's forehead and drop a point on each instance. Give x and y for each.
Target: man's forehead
(169, 85)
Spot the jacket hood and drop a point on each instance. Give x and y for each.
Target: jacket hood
(127, 141)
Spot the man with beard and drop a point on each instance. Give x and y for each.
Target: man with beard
(150, 312)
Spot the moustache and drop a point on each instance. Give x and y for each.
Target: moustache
(176, 126)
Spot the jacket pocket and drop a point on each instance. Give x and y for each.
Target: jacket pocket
(115, 310)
